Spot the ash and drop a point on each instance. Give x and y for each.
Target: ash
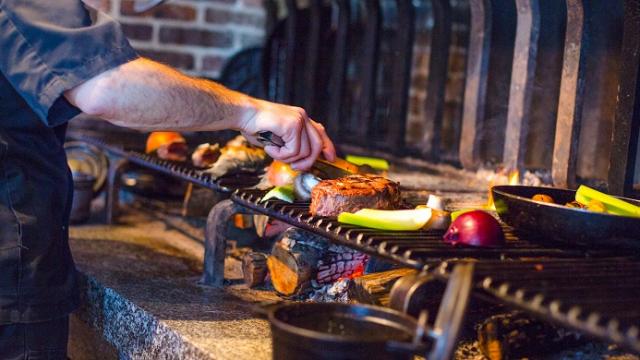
(335, 292)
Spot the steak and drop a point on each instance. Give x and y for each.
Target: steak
(352, 193)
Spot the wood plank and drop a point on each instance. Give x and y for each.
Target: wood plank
(569, 118)
(476, 83)
(522, 78)
(626, 124)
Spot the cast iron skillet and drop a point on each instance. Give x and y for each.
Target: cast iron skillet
(554, 222)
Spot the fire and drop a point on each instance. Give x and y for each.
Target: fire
(512, 178)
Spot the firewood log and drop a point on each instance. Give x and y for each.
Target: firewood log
(299, 257)
(374, 288)
(340, 262)
(254, 268)
(293, 261)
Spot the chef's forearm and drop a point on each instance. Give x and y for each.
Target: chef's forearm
(145, 95)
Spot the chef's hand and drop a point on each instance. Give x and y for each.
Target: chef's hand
(304, 138)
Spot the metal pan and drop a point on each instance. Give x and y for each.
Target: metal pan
(554, 222)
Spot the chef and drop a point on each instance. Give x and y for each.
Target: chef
(56, 60)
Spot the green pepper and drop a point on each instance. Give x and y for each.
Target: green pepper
(375, 163)
(284, 193)
(613, 205)
(400, 220)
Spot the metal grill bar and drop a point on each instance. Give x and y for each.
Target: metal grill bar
(477, 76)
(626, 125)
(569, 116)
(180, 171)
(415, 249)
(438, 69)
(596, 296)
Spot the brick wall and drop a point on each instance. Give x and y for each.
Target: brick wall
(196, 36)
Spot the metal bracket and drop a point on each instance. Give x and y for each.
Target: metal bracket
(215, 244)
(116, 168)
(451, 312)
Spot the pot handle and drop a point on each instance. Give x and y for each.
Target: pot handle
(265, 308)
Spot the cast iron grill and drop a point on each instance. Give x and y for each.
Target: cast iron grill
(596, 296)
(183, 171)
(415, 249)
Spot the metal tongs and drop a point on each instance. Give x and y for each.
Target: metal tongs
(322, 168)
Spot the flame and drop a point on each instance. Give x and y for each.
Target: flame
(513, 178)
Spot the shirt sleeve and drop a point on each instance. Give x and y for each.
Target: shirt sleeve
(50, 46)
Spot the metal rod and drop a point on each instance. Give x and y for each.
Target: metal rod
(626, 125)
(369, 61)
(569, 118)
(291, 39)
(116, 169)
(401, 75)
(216, 241)
(476, 83)
(339, 67)
(438, 71)
(523, 73)
(311, 60)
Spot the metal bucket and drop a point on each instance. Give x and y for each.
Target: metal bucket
(82, 196)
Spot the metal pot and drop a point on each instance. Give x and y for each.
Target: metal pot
(83, 186)
(343, 331)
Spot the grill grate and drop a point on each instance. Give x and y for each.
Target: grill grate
(596, 296)
(416, 248)
(183, 171)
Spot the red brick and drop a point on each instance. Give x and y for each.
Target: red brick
(212, 63)
(175, 59)
(188, 36)
(218, 16)
(164, 11)
(102, 5)
(255, 3)
(137, 31)
(249, 20)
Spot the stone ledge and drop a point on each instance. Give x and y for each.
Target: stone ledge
(141, 295)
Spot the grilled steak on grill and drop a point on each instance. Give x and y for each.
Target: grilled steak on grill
(352, 193)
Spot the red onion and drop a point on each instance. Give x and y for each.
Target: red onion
(475, 228)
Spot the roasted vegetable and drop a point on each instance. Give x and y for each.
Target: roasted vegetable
(284, 193)
(303, 184)
(475, 228)
(400, 220)
(238, 156)
(167, 145)
(543, 198)
(205, 155)
(613, 205)
(280, 174)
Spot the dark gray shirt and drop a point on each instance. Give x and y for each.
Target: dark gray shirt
(46, 48)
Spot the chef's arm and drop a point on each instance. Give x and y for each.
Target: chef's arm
(146, 95)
